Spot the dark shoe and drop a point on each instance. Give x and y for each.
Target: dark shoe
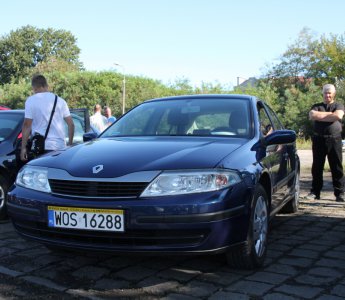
(340, 198)
(312, 196)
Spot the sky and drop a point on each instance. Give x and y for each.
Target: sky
(202, 41)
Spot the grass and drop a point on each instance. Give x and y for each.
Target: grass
(303, 144)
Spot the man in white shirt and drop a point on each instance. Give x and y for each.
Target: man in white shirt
(38, 109)
(97, 119)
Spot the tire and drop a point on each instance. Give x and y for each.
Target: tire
(292, 206)
(251, 254)
(3, 198)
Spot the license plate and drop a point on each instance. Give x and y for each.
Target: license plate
(86, 218)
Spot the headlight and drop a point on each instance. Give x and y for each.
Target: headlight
(177, 183)
(35, 178)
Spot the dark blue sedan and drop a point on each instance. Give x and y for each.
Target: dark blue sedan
(189, 174)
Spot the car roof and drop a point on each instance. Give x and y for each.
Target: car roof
(12, 111)
(206, 96)
(22, 111)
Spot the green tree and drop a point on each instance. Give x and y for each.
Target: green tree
(297, 106)
(309, 58)
(263, 91)
(328, 60)
(25, 48)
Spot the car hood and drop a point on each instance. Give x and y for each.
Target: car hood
(121, 156)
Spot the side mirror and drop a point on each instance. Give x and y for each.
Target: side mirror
(280, 137)
(89, 136)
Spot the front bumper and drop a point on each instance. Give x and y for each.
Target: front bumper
(198, 223)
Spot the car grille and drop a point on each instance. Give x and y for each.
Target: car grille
(96, 189)
(143, 238)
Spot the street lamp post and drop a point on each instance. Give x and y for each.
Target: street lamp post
(123, 87)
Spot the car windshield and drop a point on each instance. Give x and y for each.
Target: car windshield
(8, 123)
(186, 117)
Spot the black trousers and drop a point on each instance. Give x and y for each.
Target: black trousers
(330, 147)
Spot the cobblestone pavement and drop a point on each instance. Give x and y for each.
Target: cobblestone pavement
(305, 260)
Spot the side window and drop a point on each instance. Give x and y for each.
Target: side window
(276, 123)
(78, 131)
(265, 122)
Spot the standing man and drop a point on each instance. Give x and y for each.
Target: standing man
(38, 108)
(107, 112)
(327, 141)
(97, 119)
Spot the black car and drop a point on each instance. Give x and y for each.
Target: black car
(183, 175)
(11, 122)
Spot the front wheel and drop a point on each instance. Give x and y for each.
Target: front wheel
(3, 197)
(252, 253)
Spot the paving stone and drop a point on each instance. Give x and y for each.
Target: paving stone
(294, 261)
(181, 275)
(220, 278)
(314, 247)
(335, 254)
(267, 277)
(274, 253)
(282, 269)
(44, 282)
(299, 290)
(197, 289)
(228, 296)
(304, 253)
(159, 264)
(90, 272)
(314, 280)
(158, 286)
(175, 296)
(77, 261)
(135, 273)
(326, 272)
(338, 290)
(325, 240)
(329, 297)
(36, 252)
(6, 252)
(116, 263)
(277, 296)
(336, 263)
(280, 247)
(340, 248)
(111, 284)
(204, 264)
(4, 270)
(250, 287)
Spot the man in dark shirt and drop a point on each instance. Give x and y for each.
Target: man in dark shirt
(327, 142)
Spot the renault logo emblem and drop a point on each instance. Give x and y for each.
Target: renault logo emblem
(97, 169)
